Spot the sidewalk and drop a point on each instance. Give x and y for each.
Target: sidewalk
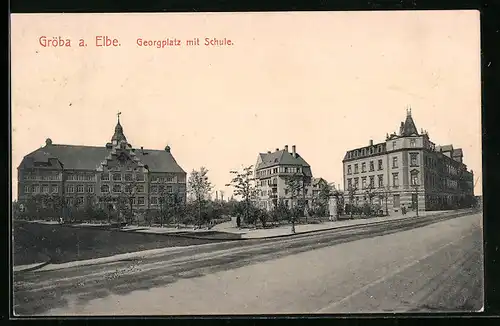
(303, 228)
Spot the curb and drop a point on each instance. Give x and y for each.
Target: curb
(111, 259)
(30, 269)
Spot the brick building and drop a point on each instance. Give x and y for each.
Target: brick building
(408, 169)
(83, 175)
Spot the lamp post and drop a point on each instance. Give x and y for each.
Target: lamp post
(416, 198)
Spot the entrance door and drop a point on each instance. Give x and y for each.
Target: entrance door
(414, 201)
(396, 201)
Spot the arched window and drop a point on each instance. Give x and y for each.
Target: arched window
(104, 188)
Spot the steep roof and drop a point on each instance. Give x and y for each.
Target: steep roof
(408, 128)
(444, 148)
(283, 157)
(75, 157)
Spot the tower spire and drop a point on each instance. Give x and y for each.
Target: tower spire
(118, 135)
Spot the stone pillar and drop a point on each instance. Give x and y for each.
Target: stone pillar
(332, 209)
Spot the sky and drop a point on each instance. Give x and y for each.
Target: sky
(326, 82)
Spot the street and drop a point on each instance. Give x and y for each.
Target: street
(416, 265)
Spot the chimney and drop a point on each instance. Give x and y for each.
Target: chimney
(294, 152)
(286, 148)
(371, 142)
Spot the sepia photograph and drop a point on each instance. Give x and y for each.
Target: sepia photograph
(266, 163)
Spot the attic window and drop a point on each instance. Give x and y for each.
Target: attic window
(275, 160)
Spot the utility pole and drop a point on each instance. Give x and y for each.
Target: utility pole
(416, 199)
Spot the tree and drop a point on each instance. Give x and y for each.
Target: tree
(200, 188)
(294, 185)
(128, 194)
(370, 193)
(351, 192)
(243, 183)
(384, 195)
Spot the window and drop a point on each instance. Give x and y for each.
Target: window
(154, 200)
(104, 188)
(117, 188)
(349, 183)
(89, 177)
(81, 177)
(79, 200)
(70, 189)
(372, 166)
(105, 176)
(140, 188)
(69, 201)
(413, 159)
(414, 178)
(395, 162)
(117, 177)
(71, 177)
(286, 170)
(27, 189)
(129, 189)
(55, 189)
(169, 189)
(349, 170)
(380, 167)
(356, 168)
(380, 181)
(128, 177)
(395, 180)
(140, 200)
(171, 179)
(363, 183)
(154, 189)
(90, 189)
(356, 183)
(139, 177)
(45, 189)
(363, 167)
(79, 189)
(393, 145)
(286, 191)
(372, 181)
(412, 142)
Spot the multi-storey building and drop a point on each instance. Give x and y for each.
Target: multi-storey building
(408, 169)
(271, 171)
(83, 175)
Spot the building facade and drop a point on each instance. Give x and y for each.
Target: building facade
(408, 170)
(271, 171)
(83, 175)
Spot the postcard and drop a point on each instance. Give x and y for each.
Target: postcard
(265, 163)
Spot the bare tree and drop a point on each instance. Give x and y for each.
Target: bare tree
(294, 185)
(200, 188)
(351, 193)
(243, 183)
